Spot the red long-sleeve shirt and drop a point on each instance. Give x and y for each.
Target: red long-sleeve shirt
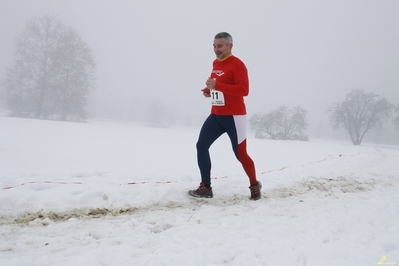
(232, 79)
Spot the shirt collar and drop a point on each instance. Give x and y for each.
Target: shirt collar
(226, 57)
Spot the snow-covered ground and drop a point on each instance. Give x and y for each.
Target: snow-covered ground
(107, 193)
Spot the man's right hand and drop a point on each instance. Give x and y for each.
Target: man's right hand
(206, 92)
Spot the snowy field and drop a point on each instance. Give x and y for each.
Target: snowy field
(108, 193)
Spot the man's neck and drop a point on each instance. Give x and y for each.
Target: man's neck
(224, 58)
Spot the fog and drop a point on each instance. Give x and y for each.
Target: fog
(159, 53)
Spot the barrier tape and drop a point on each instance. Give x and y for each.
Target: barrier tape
(319, 161)
(45, 182)
(169, 182)
(146, 182)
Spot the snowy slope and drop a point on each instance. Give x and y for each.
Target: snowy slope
(107, 193)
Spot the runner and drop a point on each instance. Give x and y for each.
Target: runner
(227, 86)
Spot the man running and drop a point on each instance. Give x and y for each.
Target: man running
(227, 86)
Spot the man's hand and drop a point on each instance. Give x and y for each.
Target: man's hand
(211, 83)
(206, 92)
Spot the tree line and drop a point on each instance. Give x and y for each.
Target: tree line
(359, 113)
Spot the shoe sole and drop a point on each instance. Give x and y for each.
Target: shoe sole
(193, 194)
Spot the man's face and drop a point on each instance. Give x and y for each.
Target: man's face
(221, 48)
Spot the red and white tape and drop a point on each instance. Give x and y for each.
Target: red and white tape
(165, 182)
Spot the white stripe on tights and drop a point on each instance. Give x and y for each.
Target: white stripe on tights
(241, 127)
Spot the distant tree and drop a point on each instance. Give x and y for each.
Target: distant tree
(359, 112)
(75, 75)
(257, 124)
(157, 114)
(52, 74)
(282, 123)
(396, 119)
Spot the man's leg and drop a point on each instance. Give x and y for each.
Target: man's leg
(247, 163)
(240, 123)
(210, 131)
(237, 131)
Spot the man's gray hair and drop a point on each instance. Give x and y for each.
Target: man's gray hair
(224, 35)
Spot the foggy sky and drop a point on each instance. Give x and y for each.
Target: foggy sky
(307, 53)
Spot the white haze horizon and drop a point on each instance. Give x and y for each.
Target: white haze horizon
(156, 53)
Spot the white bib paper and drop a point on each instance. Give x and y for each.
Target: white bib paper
(217, 98)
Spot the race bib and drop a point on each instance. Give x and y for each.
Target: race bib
(217, 98)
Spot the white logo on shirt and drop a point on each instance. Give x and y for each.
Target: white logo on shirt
(218, 72)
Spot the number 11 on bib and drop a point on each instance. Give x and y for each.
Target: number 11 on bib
(217, 98)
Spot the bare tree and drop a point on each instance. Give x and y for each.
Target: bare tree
(52, 73)
(282, 123)
(293, 121)
(359, 113)
(265, 125)
(396, 120)
(74, 66)
(27, 82)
